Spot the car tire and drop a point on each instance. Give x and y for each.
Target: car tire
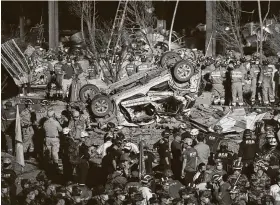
(101, 105)
(183, 71)
(193, 56)
(166, 57)
(87, 92)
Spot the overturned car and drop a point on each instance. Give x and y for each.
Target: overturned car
(143, 98)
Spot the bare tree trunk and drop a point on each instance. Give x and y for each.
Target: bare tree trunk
(82, 22)
(261, 25)
(172, 23)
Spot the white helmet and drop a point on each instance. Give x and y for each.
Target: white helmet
(66, 130)
(84, 134)
(194, 132)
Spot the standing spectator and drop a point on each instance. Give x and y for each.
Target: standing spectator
(52, 129)
(237, 80)
(176, 150)
(27, 128)
(189, 161)
(202, 149)
(68, 72)
(8, 118)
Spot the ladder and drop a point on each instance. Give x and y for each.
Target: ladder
(117, 28)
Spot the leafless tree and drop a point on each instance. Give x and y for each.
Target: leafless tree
(274, 38)
(262, 25)
(228, 26)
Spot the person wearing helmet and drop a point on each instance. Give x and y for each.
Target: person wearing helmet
(264, 136)
(254, 73)
(225, 156)
(162, 147)
(8, 122)
(217, 78)
(221, 190)
(189, 164)
(248, 150)
(194, 133)
(237, 81)
(76, 125)
(145, 65)
(176, 150)
(259, 183)
(213, 139)
(266, 82)
(236, 197)
(131, 67)
(27, 129)
(52, 129)
(237, 179)
(9, 175)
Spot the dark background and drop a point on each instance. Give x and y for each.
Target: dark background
(189, 13)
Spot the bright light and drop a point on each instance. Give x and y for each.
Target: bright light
(227, 28)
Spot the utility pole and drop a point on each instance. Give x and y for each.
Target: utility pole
(53, 24)
(210, 38)
(21, 24)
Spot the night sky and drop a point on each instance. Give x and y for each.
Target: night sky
(189, 13)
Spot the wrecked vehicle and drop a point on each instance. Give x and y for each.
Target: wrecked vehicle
(144, 97)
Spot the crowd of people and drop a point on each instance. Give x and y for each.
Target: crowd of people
(183, 167)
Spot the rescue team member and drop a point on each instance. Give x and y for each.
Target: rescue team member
(68, 72)
(52, 129)
(189, 161)
(237, 80)
(176, 150)
(8, 118)
(266, 82)
(254, 72)
(217, 78)
(27, 129)
(130, 67)
(9, 175)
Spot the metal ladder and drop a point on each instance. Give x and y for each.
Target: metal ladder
(116, 30)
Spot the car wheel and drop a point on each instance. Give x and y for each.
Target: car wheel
(101, 106)
(87, 92)
(192, 55)
(183, 71)
(169, 59)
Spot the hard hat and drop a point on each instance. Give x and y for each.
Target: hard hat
(50, 113)
(76, 113)
(237, 164)
(9, 104)
(234, 191)
(194, 132)
(66, 130)
(28, 102)
(7, 161)
(247, 132)
(147, 178)
(272, 141)
(217, 127)
(188, 141)
(84, 134)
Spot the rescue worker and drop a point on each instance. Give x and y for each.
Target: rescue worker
(221, 190)
(145, 65)
(217, 78)
(194, 133)
(5, 194)
(277, 80)
(189, 164)
(263, 138)
(214, 138)
(76, 125)
(225, 156)
(9, 175)
(266, 82)
(131, 67)
(171, 186)
(27, 129)
(176, 150)
(67, 74)
(237, 179)
(248, 150)
(259, 183)
(52, 129)
(237, 81)
(162, 147)
(254, 73)
(275, 191)
(8, 118)
(59, 75)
